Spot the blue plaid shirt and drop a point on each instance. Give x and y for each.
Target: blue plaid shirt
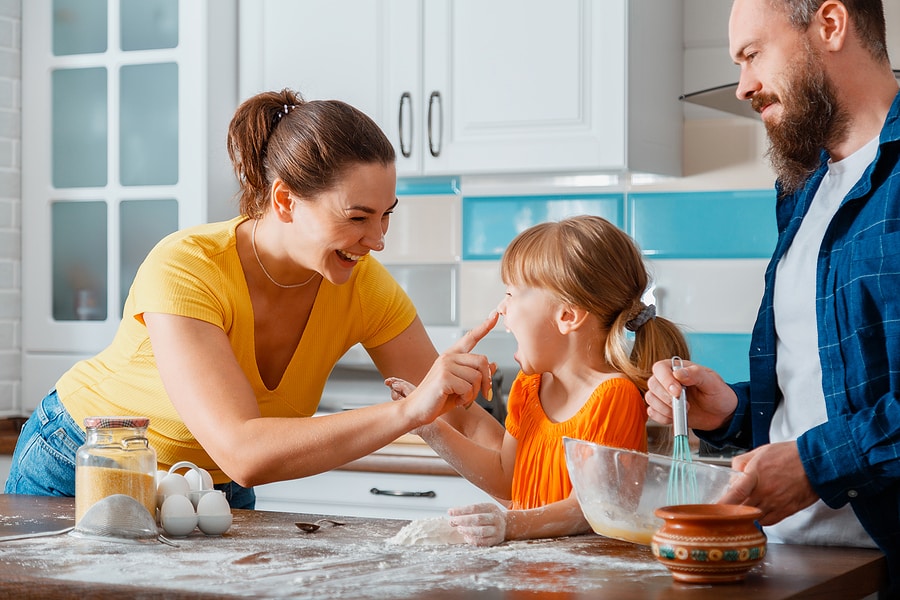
(854, 456)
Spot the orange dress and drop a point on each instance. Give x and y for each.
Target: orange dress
(614, 415)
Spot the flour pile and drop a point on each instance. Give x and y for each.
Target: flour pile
(435, 531)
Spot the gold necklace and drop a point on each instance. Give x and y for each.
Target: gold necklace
(266, 273)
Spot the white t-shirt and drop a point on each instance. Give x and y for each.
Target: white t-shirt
(798, 366)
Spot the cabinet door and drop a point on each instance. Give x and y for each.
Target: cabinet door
(324, 49)
(110, 97)
(468, 87)
(524, 85)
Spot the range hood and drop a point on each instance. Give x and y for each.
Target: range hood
(723, 98)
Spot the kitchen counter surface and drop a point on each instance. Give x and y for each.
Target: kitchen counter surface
(264, 556)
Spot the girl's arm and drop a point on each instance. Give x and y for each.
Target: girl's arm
(488, 467)
(487, 524)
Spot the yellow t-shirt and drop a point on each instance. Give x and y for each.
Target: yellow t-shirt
(614, 415)
(197, 273)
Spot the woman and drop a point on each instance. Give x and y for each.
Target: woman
(231, 329)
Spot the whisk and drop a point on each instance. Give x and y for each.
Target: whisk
(682, 486)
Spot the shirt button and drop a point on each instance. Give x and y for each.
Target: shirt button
(853, 493)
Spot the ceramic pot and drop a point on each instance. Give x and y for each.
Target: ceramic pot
(709, 543)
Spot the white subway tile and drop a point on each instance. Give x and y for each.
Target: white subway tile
(711, 296)
(481, 291)
(424, 229)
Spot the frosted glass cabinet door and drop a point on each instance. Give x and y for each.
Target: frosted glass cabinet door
(79, 234)
(148, 127)
(79, 27)
(142, 223)
(79, 128)
(149, 24)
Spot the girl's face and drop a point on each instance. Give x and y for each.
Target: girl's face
(530, 315)
(338, 227)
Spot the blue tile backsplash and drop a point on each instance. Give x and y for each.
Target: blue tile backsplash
(427, 186)
(730, 224)
(725, 353)
(490, 223)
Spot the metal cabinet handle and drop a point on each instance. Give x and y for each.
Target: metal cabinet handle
(377, 492)
(405, 101)
(435, 98)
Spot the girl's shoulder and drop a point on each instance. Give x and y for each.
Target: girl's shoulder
(616, 386)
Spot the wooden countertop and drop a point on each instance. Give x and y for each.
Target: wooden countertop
(264, 555)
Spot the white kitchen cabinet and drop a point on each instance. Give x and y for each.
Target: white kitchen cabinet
(350, 493)
(482, 87)
(125, 108)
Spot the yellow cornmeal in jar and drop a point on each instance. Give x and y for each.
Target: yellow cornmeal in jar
(95, 483)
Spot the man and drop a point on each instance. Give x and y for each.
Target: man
(821, 412)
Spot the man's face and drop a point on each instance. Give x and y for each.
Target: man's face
(786, 82)
(809, 121)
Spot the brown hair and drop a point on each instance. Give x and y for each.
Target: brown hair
(307, 144)
(867, 17)
(590, 263)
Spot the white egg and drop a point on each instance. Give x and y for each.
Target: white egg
(213, 513)
(177, 516)
(159, 476)
(213, 503)
(172, 484)
(199, 479)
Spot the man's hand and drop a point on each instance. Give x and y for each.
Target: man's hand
(782, 487)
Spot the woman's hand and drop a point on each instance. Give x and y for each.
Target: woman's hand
(480, 524)
(710, 401)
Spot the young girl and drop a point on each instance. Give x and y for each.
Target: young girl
(574, 290)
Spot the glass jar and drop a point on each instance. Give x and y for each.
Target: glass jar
(116, 458)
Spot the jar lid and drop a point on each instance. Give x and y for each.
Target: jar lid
(109, 422)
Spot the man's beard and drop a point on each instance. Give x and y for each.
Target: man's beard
(811, 120)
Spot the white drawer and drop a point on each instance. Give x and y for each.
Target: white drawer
(350, 493)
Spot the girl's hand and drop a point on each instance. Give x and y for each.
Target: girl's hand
(480, 524)
(400, 388)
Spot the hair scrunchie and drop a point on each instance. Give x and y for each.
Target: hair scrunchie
(646, 313)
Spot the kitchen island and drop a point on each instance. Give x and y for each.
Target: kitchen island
(264, 555)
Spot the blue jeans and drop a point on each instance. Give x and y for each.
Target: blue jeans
(43, 463)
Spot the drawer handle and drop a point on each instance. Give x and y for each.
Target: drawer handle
(377, 492)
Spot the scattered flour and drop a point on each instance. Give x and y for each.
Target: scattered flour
(435, 531)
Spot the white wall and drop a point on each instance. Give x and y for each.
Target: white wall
(10, 208)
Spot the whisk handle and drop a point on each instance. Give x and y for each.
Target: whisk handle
(679, 404)
(679, 414)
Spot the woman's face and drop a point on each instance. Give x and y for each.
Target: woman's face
(530, 315)
(339, 226)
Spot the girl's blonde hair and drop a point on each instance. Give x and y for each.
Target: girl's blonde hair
(590, 263)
